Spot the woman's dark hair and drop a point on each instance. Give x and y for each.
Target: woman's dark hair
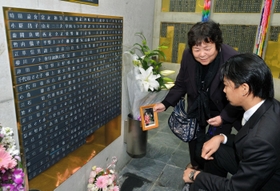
(250, 69)
(205, 32)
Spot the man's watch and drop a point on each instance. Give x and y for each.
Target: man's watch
(191, 175)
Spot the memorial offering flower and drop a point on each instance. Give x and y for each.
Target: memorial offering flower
(11, 172)
(149, 60)
(145, 79)
(103, 179)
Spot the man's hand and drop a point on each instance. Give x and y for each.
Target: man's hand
(215, 121)
(186, 175)
(211, 146)
(159, 107)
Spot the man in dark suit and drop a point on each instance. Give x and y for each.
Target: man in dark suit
(252, 156)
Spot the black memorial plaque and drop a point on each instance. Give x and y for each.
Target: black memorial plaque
(66, 71)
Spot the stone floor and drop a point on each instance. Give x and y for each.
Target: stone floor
(162, 167)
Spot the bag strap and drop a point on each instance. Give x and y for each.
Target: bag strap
(180, 107)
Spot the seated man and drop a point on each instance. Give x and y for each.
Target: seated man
(252, 156)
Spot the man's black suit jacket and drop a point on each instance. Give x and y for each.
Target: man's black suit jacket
(258, 150)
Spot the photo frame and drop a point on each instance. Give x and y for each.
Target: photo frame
(149, 118)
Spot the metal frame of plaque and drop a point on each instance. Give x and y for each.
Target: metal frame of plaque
(66, 71)
(88, 2)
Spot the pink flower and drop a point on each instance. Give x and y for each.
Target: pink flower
(92, 174)
(98, 169)
(17, 158)
(12, 164)
(113, 177)
(11, 176)
(101, 182)
(115, 188)
(90, 180)
(5, 176)
(19, 188)
(18, 176)
(8, 187)
(6, 160)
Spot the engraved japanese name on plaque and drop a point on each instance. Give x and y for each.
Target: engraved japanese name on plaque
(66, 71)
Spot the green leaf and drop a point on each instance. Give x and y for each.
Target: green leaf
(150, 57)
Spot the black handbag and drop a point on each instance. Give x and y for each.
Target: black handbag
(181, 125)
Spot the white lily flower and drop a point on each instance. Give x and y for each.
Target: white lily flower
(135, 60)
(136, 63)
(169, 85)
(167, 72)
(134, 56)
(147, 79)
(166, 79)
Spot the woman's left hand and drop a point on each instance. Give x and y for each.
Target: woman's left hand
(215, 121)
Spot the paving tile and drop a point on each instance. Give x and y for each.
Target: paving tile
(180, 158)
(131, 182)
(159, 152)
(153, 132)
(183, 146)
(165, 128)
(160, 188)
(147, 168)
(171, 177)
(166, 139)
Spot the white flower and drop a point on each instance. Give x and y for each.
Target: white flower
(92, 187)
(168, 80)
(103, 179)
(167, 72)
(92, 174)
(147, 79)
(135, 60)
(110, 180)
(105, 189)
(7, 139)
(112, 171)
(7, 131)
(13, 151)
(169, 85)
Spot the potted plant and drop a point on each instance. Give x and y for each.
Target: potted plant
(145, 79)
(146, 84)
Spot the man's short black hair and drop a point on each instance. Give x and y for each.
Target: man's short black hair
(251, 69)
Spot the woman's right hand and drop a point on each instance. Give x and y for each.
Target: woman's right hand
(159, 107)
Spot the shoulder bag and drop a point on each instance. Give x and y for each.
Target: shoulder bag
(181, 125)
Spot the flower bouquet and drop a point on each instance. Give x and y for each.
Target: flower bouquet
(11, 172)
(145, 80)
(103, 179)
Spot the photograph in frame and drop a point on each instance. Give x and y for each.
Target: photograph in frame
(149, 118)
